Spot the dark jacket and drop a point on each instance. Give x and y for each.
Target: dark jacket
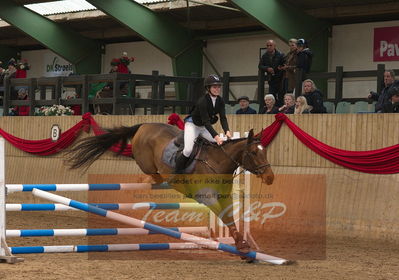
(289, 110)
(274, 62)
(304, 61)
(204, 114)
(382, 98)
(248, 111)
(315, 100)
(391, 107)
(274, 110)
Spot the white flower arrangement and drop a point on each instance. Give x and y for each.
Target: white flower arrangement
(55, 110)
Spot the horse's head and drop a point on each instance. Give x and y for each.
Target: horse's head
(255, 161)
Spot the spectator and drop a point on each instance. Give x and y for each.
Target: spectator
(313, 97)
(11, 70)
(289, 67)
(2, 73)
(21, 110)
(393, 105)
(244, 106)
(383, 97)
(272, 62)
(270, 107)
(289, 104)
(304, 57)
(301, 106)
(22, 68)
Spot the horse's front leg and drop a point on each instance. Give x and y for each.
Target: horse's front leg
(224, 210)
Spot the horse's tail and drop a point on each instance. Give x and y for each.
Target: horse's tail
(89, 149)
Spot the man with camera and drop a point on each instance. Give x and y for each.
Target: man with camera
(383, 97)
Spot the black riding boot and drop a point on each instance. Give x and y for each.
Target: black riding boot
(181, 161)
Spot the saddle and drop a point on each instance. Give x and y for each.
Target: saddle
(175, 148)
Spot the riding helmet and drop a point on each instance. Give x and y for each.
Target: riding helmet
(212, 80)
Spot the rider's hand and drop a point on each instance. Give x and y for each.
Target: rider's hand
(228, 134)
(218, 140)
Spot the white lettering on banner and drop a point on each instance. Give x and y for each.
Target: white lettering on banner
(389, 49)
(255, 213)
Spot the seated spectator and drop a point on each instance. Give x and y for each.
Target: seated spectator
(393, 105)
(301, 106)
(21, 110)
(289, 104)
(304, 57)
(244, 106)
(313, 97)
(270, 107)
(382, 98)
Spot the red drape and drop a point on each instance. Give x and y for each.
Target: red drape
(380, 161)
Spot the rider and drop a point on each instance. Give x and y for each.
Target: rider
(201, 119)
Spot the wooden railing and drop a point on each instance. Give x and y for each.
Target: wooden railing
(156, 104)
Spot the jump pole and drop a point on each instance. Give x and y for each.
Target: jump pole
(202, 242)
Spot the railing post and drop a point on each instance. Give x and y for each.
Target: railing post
(226, 87)
(261, 87)
(161, 95)
(85, 94)
(57, 90)
(154, 91)
(298, 82)
(7, 96)
(380, 77)
(339, 83)
(31, 96)
(115, 93)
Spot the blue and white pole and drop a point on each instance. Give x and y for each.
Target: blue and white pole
(86, 187)
(202, 242)
(96, 231)
(103, 248)
(107, 206)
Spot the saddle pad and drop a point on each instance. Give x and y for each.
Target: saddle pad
(169, 157)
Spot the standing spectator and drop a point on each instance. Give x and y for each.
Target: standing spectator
(22, 68)
(383, 97)
(301, 106)
(289, 67)
(244, 106)
(270, 107)
(289, 104)
(11, 70)
(393, 105)
(313, 97)
(2, 72)
(272, 62)
(304, 57)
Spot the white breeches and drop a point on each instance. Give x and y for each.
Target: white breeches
(191, 132)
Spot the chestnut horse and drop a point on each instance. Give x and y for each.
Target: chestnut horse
(148, 143)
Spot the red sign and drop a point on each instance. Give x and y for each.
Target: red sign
(386, 43)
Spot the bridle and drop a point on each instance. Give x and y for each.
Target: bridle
(257, 170)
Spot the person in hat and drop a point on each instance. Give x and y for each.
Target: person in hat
(393, 105)
(304, 57)
(201, 118)
(244, 106)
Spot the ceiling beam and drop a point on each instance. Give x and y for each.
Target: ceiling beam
(354, 11)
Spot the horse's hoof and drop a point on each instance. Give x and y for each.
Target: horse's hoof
(243, 247)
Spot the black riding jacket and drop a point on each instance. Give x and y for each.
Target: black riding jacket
(204, 114)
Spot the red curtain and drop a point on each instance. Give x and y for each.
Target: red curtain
(380, 161)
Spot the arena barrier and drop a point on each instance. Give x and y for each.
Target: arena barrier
(203, 242)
